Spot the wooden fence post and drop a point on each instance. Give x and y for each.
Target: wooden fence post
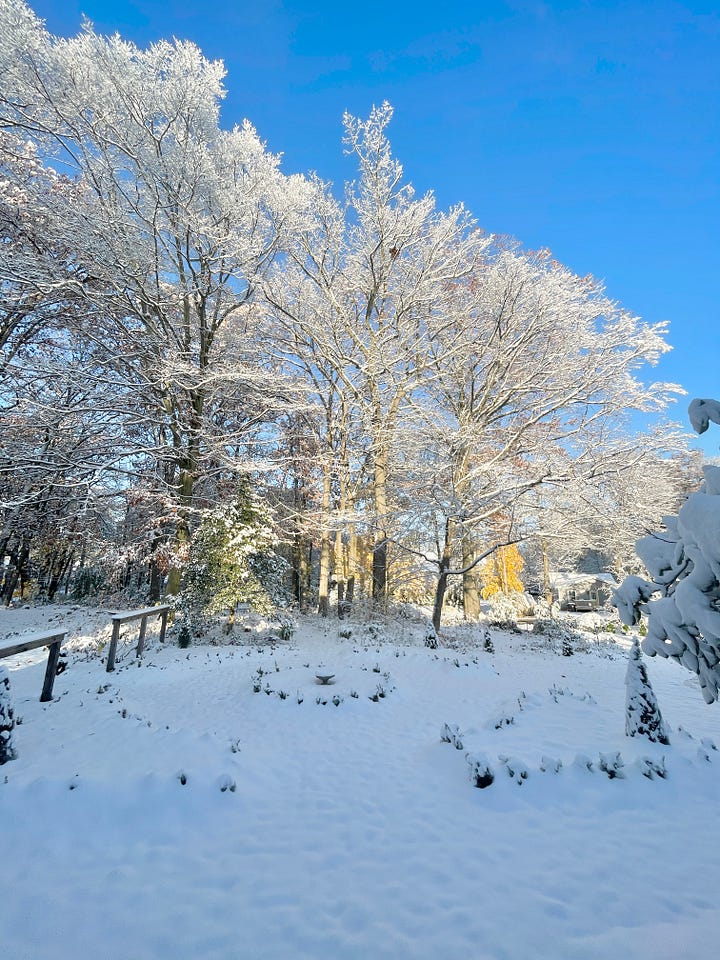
(113, 646)
(141, 638)
(51, 669)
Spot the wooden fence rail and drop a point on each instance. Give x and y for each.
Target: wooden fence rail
(118, 619)
(53, 639)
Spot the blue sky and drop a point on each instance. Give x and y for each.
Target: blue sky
(590, 128)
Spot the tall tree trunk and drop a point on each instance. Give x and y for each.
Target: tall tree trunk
(9, 583)
(444, 567)
(298, 554)
(324, 580)
(68, 575)
(501, 567)
(182, 531)
(340, 571)
(471, 594)
(189, 461)
(547, 587)
(380, 545)
(351, 567)
(57, 572)
(16, 571)
(299, 542)
(155, 587)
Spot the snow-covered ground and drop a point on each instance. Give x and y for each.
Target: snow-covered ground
(168, 811)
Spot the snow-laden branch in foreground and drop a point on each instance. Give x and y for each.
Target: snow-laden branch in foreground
(684, 567)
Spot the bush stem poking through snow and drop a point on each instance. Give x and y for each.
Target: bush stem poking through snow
(642, 713)
(7, 720)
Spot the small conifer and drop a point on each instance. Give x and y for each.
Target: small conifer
(642, 713)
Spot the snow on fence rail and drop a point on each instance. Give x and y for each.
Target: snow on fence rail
(53, 639)
(118, 619)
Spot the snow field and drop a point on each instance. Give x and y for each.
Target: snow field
(353, 831)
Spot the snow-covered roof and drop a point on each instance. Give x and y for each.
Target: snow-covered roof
(563, 579)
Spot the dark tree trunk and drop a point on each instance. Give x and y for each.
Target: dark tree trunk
(444, 567)
(9, 583)
(17, 571)
(379, 570)
(341, 600)
(345, 597)
(440, 595)
(155, 588)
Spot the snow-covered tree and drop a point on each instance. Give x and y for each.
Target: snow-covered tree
(475, 371)
(366, 290)
(681, 598)
(232, 559)
(58, 433)
(591, 525)
(175, 223)
(527, 393)
(43, 293)
(443, 375)
(642, 713)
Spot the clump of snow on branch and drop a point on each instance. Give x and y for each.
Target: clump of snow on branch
(682, 597)
(701, 412)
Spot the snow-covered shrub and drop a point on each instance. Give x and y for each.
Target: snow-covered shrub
(286, 630)
(450, 733)
(480, 770)
(552, 629)
(226, 783)
(550, 764)
(431, 639)
(651, 767)
(583, 762)
(517, 770)
(376, 632)
(7, 720)
(88, 582)
(501, 721)
(184, 637)
(545, 610)
(487, 641)
(505, 608)
(561, 635)
(612, 764)
(642, 714)
(681, 599)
